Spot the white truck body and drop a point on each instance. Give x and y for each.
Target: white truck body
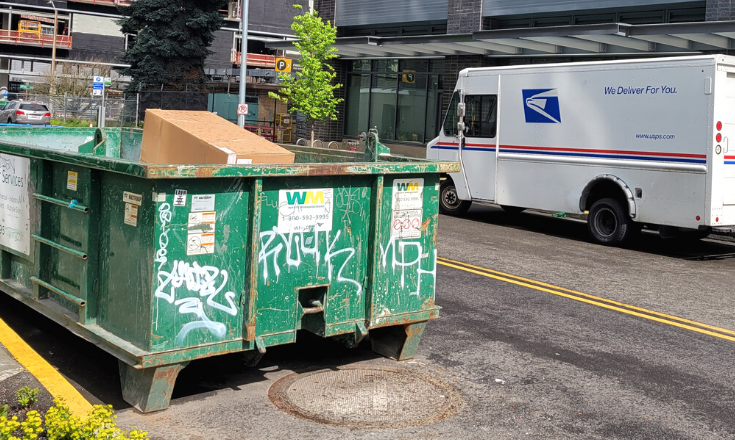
(648, 126)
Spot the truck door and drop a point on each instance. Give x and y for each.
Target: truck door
(478, 150)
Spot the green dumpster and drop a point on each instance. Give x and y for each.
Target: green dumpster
(160, 265)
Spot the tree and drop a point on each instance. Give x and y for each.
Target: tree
(311, 91)
(172, 41)
(75, 79)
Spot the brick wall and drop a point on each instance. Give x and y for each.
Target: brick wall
(720, 10)
(222, 51)
(93, 47)
(464, 16)
(326, 8)
(452, 66)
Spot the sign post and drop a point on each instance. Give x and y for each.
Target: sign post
(243, 59)
(98, 89)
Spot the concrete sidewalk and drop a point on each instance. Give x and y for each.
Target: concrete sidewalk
(9, 367)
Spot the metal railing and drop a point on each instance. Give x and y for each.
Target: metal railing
(31, 39)
(119, 112)
(104, 2)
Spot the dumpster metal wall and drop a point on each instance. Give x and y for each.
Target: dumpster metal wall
(164, 264)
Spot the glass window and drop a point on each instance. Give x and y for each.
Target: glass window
(360, 66)
(385, 66)
(357, 104)
(451, 119)
(481, 116)
(414, 65)
(411, 107)
(383, 105)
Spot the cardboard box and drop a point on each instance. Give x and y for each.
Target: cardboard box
(199, 137)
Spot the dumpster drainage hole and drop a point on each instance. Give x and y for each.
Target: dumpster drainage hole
(366, 397)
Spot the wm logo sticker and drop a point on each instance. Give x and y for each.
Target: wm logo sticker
(305, 197)
(541, 105)
(408, 186)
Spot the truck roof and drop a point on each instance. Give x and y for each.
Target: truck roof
(726, 59)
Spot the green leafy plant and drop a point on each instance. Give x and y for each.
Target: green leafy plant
(311, 91)
(61, 424)
(71, 122)
(4, 410)
(26, 396)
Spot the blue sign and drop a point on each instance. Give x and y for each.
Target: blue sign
(98, 83)
(542, 105)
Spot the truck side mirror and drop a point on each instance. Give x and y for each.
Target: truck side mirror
(460, 110)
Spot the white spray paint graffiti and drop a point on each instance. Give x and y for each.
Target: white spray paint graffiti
(300, 245)
(206, 281)
(397, 250)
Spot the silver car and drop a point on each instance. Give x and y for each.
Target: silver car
(19, 112)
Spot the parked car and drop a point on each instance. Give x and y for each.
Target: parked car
(19, 112)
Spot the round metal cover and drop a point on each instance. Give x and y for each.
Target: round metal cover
(366, 397)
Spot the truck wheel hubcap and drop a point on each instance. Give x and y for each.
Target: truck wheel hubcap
(605, 221)
(450, 197)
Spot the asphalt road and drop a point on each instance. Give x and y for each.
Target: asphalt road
(528, 361)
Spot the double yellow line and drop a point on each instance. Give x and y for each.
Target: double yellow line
(593, 300)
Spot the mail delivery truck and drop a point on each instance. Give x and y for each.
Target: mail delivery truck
(631, 143)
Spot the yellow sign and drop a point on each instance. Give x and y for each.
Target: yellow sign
(283, 65)
(409, 76)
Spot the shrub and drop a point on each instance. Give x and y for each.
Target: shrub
(26, 397)
(61, 424)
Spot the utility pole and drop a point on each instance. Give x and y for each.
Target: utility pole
(53, 51)
(243, 57)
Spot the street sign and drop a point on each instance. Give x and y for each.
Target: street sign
(409, 76)
(98, 86)
(26, 87)
(283, 65)
(242, 109)
(107, 81)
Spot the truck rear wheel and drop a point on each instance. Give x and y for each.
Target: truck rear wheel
(608, 222)
(449, 201)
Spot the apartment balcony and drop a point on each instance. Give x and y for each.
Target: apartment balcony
(38, 40)
(255, 60)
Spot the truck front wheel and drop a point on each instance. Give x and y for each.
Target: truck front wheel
(608, 222)
(449, 201)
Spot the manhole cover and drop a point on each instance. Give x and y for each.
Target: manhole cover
(366, 397)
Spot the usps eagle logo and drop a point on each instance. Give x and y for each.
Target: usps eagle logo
(541, 105)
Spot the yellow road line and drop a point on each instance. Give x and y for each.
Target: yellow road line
(551, 286)
(588, 301)
(51, 379)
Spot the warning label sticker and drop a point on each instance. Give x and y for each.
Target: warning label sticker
(180, 197)
(72, 177)
(302, 210)
(407, 206)
(135, 199)
(131, 214)
(202, 203)
(201, 230)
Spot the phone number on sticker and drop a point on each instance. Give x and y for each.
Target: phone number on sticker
(305, 217)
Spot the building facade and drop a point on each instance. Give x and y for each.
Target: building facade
(399, 61)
